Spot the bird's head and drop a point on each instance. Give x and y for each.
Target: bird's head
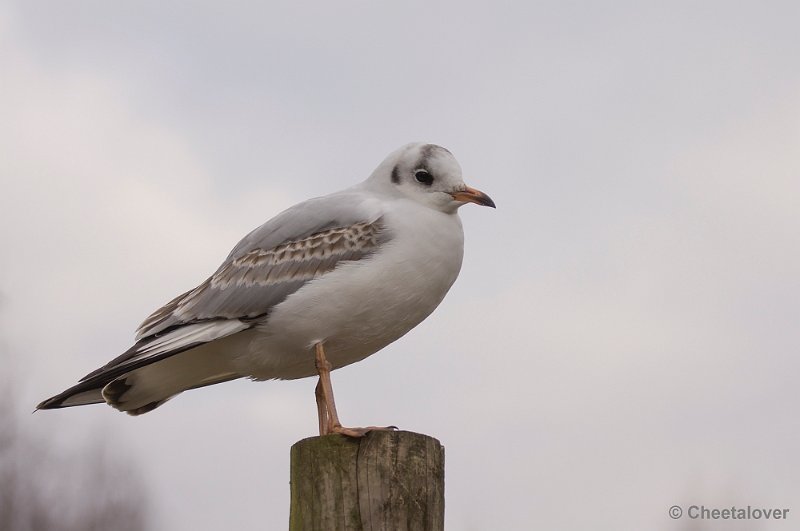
(427, 174)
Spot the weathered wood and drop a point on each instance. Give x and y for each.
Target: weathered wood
(388, 480)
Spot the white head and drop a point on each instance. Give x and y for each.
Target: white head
(427, 174)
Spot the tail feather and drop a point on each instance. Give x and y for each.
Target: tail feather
(158, 368)
(145, 389)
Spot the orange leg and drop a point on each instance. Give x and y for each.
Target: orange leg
(326, 405)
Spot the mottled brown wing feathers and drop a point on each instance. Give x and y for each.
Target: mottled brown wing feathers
(301, 259)
(251, 283)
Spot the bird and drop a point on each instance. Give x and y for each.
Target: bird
(320, 286)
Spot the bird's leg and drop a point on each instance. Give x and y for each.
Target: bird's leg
(326, 406)
(322, 410)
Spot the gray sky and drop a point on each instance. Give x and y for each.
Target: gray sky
(623, 336)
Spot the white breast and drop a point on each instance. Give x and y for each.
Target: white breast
(363, 306)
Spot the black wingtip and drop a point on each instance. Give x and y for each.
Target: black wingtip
(78, 395)
(50, 403)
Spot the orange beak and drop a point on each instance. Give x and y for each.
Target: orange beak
(471, 195)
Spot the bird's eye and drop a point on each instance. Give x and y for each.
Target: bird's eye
(423, 177)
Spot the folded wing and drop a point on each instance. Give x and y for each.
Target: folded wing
(269, 264)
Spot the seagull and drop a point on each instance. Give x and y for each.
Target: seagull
(321, 285)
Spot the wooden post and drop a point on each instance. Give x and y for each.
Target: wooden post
(388, 480)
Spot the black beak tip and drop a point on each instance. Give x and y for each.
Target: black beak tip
(487, 201)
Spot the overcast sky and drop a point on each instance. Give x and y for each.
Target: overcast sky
(624, 333)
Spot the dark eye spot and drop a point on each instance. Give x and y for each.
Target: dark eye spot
(423, 177)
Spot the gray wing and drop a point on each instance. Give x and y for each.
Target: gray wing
(276, 259)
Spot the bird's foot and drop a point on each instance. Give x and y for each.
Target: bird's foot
(357, 433)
